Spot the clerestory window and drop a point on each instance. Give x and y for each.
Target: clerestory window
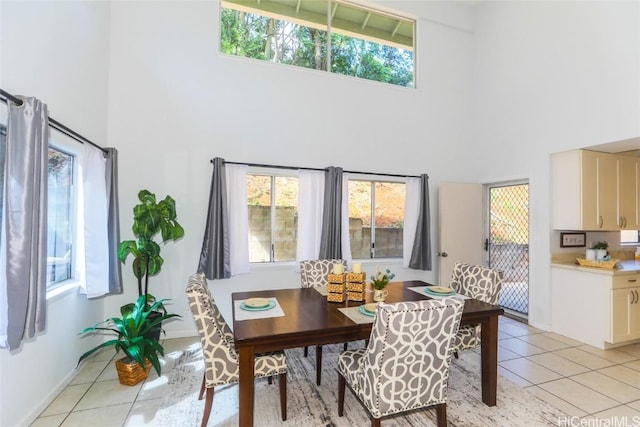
(330, 35)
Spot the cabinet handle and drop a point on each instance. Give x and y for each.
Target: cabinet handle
(632, 280)
(600, 221)
(625, 221)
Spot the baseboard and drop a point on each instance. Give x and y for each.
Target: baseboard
(46, 401)
(185, 333)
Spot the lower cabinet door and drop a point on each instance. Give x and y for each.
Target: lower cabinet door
(625, 314)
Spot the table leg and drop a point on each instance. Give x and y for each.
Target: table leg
(489, 360)
(246, 384)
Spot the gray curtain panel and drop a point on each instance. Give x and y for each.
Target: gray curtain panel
(330, 238)
(113, 222)
(26, 219)
(421, 253)
(215, 256)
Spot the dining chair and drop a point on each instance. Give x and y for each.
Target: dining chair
(406, 363)
(481, 283)
(313, 274)
(220, 356)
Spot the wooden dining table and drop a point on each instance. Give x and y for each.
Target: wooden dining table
(311, 320)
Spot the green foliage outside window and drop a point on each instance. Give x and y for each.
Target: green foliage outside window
(269, 39)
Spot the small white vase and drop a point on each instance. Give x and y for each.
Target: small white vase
(600, 254)
(380, 294)
(591, 254)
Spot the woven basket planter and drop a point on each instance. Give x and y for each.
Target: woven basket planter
(130, 372)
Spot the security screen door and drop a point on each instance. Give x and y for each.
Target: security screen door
(508, 243)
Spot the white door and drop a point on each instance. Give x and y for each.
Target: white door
(462, 230)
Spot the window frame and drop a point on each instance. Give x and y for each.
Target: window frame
(326, 26)
(630, 242)
(273, 174)
(63, 143)
(372, 182)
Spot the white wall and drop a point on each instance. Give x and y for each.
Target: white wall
(176, 102)
(551, 76)
(58, 52)
(497, 93)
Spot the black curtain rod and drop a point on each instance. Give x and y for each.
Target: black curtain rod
(6, 97)
(259, 165)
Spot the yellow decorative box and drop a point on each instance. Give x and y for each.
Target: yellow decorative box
(335, 297)
(356, 277)
(335, 287)
(355, 296)
(358, 287)
(336, 278)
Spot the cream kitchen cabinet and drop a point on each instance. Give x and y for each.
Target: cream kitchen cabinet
(594, 191)
(597, 307)
(625, 310)
(628, 192)
(584, 190)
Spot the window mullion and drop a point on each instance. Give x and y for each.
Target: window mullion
(373, 219)
(329, 19)
(273, 218)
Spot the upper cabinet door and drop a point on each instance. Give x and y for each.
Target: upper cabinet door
(608, 192)
(628, 193)
(590, 218)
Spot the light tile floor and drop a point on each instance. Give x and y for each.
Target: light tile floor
(595, 385)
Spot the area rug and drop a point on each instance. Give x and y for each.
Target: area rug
(310, 405)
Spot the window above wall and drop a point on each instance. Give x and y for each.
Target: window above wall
(336, 36)
(376, 217)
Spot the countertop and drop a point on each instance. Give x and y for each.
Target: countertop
(622, 268)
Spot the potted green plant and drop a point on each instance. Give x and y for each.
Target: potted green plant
(150, 218)
(379, 281)
(131, 330)
(601, 249)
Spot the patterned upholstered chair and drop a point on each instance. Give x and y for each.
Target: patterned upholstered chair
(220, 356)
(313, 274)
(482, 283)
(406, 364)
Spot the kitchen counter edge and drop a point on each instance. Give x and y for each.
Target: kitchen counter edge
(622, 268)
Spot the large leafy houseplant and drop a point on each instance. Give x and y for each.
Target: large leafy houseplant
(131, 331)
(150, 218)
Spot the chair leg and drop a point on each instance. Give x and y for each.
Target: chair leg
(345, 346)
(306, 351)
(441, 414)
(375, 422)
(318, 364)
(202, 387)
(283, 396)
(455, 354)
(270, 380)
(207, 407)
(341, 386)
